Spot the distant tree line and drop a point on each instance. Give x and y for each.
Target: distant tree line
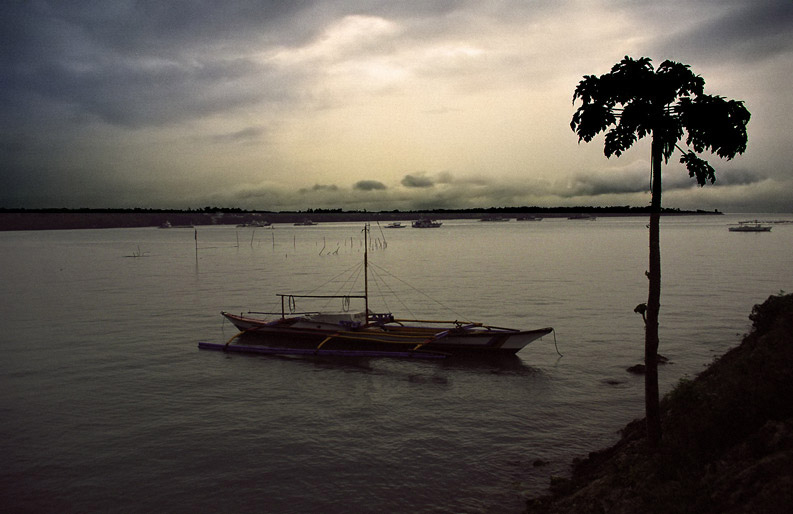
(135, 210)
(624, 209)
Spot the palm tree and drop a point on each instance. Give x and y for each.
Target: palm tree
(635, 100)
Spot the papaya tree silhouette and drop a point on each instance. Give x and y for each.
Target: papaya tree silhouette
(635, 100)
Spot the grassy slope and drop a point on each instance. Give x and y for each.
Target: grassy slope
(728, 439)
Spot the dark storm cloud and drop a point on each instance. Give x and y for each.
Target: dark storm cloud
(369, 185)
(419, 181)
(756, 30)
(738, 177)
(54, 30)
(675, 177)
(596, 184)
(246, 135)
(134, 96)
(320, 187)
(144, 63)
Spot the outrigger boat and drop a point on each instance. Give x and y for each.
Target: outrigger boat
(366, 333)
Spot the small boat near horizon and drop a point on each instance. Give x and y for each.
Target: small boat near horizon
(395, 224)
(750, 226)
(426, 223)
(254, 224)
(366, 333)
(306, 223)
(168, 224)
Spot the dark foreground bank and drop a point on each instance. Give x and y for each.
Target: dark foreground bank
(728, 439)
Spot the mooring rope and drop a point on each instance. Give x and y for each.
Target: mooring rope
(554, 343)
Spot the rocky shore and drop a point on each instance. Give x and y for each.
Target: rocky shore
(727, 441)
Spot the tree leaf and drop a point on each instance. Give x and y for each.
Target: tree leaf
(715, 124)
(698, 168)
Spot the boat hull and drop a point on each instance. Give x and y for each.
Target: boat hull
(305, 333)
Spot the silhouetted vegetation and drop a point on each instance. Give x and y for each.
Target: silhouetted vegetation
(728, 438)
(62, 218)
(635, 100)
(619, 209)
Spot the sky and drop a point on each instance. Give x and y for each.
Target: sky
(365, 104)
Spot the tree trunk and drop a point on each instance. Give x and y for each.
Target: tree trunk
(651, 402)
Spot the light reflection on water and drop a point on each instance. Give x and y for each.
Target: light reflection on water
(108, 405)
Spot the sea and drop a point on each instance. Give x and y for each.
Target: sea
(108, 405)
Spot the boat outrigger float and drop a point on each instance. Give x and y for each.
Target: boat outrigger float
(367, 334)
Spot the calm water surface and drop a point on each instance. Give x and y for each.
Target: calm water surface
(107, 404)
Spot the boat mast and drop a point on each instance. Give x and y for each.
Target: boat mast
(366, 272)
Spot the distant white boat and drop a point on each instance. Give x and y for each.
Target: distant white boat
(306, 223)
(395, 224)
(750, 226)
(426, 223)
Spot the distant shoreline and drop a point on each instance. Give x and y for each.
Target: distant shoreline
(73, 219)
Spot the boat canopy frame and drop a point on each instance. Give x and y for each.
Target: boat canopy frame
(291, 301)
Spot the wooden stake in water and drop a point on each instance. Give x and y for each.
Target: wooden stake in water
(195, 236)
(366, 273)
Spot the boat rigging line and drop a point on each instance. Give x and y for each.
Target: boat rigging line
(436, 301)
